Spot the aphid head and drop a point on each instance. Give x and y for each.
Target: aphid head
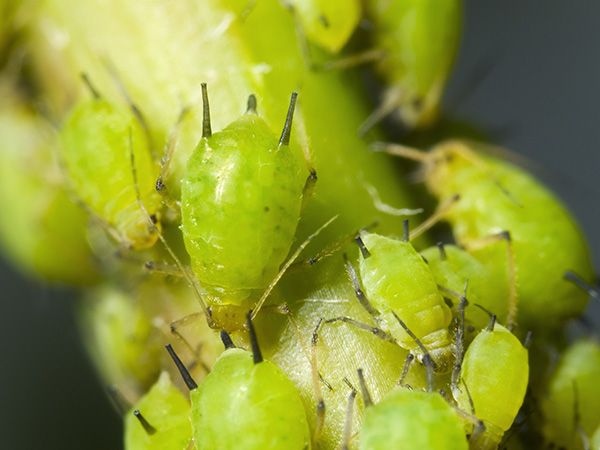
(443, 163)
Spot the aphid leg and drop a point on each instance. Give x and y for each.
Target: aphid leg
(442, 210)
(358, 290)
(347, 434)
(493, 318)
(405, 368)
(152, 224)
(350, 61)
(163, 269)
(592, 291)
(316, 377)
(196, 351)
(90, 86)
(363, 388)
(427, 360)
(148, 428)
(512, 280)
(376, 331)
(401, 151)
(459, 347)
(287, 265)
(185, 374)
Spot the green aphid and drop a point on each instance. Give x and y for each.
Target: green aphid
(419, 39)
(412, 420)
(542, 236)
(492, 383)
(106, 154)
(121, 338)
(328, 23)
(455, 268)
(240, 205)
(571, 404)
(399, 284)
(160, 420)
(246, 403)
(41, 229)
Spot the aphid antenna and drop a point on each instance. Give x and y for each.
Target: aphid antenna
(118, 400)
(206, 128)
(251, 104)
(152, 223)
(527, 340)
(363, 388)
(438, 215)
(317, 391)
(378, 332)
(185, 373)
(592, 291)
(442, 249)
(163, 269)
(405, 368)
(284, 140)
(492, 323)
(226, 340)
(169, 150)
(427, 360)
(406, 230)
(287, 265)
(148, 428)
(402, 151)
(90, 86)
(347, 433)
(256, 353)
(358, 290)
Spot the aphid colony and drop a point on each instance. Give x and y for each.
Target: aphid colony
(370, 338)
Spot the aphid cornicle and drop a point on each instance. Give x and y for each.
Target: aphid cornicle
(419, 39)
(571, 403)
(240, 204)
(246, 403)
(160, 420)
(545, 239)
(493, 381)
(100, 140)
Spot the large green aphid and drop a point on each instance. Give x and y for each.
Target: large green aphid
(246, 403)
(328, 23)
(571, 404)
(408, 419)
(545, 239)
(399, 284)
(240, 205)
(104, 149)
(419, 39)
(492, 382)
(160, 420)
(454, 268)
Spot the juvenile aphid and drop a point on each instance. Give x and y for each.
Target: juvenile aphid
(419, 39)
(544, 237)
(240, 205)
(160, 420)
(413, 420)
(104, 148)
(571, 404)
(492, 382)
(327, 23)
(246, 403)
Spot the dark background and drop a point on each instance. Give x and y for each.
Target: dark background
(540, 98)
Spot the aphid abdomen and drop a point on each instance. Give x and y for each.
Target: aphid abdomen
(397, 280)
(495, 370)
(412, 419)
(247, 406)
(97, 141)
(241, 202)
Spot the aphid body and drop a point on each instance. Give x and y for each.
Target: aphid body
(397, 281)
(571, 405)
(412, 420)
(240, 204)
(419, 39)
(494, 377)
(98, 141)
(160, 420)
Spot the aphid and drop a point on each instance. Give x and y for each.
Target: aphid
(453, 268)
(41, 229)
(545, 239)
(246, 403)
(160, 420)
(240, 204)
(571, 405)
(411, 419)
(327, 23)
(100, 140)
(419, 39)
(492, 382)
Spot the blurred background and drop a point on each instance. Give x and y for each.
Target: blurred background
(538, 96)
